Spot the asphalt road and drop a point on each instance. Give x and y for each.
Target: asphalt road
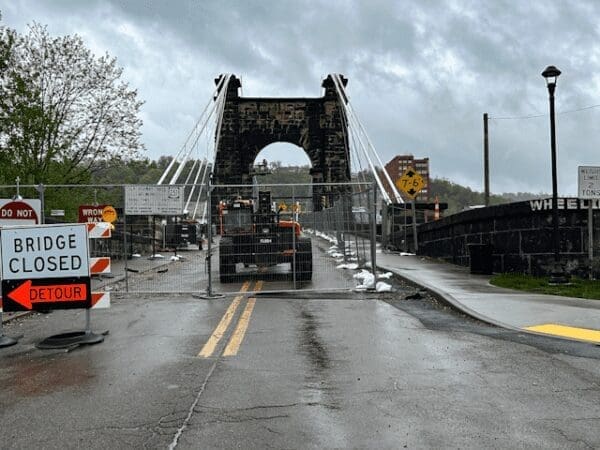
(337, 370)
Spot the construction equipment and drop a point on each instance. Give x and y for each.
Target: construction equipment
(253, 234)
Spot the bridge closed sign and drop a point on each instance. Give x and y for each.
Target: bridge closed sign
(45, 267)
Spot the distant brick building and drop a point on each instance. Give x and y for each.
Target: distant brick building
(398, 165)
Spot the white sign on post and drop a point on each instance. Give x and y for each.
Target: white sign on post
(49, 251)
(589, 182)
(150, 200)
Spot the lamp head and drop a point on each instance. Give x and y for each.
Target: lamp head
(551, 74)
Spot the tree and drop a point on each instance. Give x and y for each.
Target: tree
(61, 108)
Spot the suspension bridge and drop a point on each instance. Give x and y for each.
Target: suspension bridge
(232, 130)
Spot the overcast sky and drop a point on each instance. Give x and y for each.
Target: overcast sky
(421, 73)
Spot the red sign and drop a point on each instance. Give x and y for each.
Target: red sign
(18, 212)
(91, 213)
(57, 293)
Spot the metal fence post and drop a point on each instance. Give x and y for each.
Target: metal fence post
(374, 235)
(591, 237)
(414, 226)
(355, 226)
(41, 188)
(384, 226)
(124, 252)
(209, 235)
(294, 261)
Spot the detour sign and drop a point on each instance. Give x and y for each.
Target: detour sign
(45, 267)
(50, 293)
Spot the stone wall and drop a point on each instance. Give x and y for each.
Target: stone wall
(520, 234)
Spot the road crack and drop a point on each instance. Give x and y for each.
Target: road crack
(192, 408)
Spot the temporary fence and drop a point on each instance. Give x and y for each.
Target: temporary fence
(207, 249)
(335, 238)
(398, 226)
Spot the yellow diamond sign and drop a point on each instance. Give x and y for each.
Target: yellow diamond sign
(410, 183)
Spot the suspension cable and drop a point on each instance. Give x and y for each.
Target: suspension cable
(341, 94)
(370, 146)
(217, 92)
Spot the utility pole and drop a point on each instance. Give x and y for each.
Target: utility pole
(486, 160)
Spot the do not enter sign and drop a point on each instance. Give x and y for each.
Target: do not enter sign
(20, 212)
(45, 267)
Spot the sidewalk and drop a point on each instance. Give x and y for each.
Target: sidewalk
(566, 317)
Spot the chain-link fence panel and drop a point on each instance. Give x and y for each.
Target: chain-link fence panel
(290, 236)
(399, 232)
(285, 236)
(149, 253)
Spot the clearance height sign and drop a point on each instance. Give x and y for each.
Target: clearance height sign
(45, 267)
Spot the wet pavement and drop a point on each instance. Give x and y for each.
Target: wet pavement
(311, 370)
(517, 310)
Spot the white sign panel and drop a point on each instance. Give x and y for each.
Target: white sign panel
(47, 251)
(589, 182)
(149, 200)
(20, 212)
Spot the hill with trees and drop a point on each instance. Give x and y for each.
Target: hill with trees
(460, 197)
(146, 171)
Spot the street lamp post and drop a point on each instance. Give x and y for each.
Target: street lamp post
(557, 276)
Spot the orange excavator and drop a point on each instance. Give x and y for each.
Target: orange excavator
(252, 234)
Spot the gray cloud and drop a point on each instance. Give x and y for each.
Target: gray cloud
(421, 74)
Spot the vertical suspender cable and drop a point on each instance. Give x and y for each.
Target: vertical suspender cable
(187, 155)
(201, 169)
(369, 147)
(337, 83)
(202, 181)
(351, 143)
(217, 91)
(193, 189)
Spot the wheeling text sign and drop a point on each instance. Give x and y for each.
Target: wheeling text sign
(45, 267)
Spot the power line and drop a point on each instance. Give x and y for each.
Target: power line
(533, 116)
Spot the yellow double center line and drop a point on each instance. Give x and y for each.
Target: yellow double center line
(240, 330)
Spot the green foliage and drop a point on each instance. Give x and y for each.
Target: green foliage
(279, 174)
(61, 108)
(134, 171)
(578, 288)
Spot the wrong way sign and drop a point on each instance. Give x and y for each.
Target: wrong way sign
(45, 267)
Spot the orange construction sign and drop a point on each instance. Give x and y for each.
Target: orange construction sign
(27, 295)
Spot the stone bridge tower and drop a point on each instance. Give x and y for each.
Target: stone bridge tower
(314, 124)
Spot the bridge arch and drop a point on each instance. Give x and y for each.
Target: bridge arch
(286, 153)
